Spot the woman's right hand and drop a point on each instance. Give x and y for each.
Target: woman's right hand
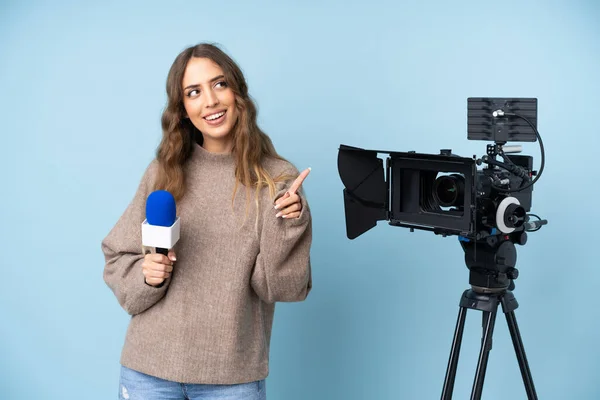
(157, 267)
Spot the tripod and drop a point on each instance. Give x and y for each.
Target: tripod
(492, 284)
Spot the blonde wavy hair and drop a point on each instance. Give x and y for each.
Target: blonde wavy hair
(251, 146)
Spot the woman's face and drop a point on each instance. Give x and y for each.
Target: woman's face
(209, 103)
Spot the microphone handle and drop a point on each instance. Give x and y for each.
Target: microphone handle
(162, 251)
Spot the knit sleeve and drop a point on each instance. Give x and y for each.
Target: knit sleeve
(122, 249)
(283, 268)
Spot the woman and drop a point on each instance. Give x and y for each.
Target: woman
(202, 316)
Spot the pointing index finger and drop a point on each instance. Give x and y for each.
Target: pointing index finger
(298, 182)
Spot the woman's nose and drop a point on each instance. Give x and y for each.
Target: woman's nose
(211, 99)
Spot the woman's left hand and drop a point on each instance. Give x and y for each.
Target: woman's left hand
(290, 204)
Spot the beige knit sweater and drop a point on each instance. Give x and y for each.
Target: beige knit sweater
(211, 320)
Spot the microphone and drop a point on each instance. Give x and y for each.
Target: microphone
(161, 228)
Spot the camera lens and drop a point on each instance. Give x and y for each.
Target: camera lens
(448, 190)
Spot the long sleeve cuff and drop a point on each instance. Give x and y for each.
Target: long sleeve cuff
(125, 278)
(283, 269)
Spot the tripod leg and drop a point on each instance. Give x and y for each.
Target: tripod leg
(484, 353)
(454, 353)
(522, 359)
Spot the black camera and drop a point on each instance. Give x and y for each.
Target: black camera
(487, 208)
(443, 192)
(448, 194)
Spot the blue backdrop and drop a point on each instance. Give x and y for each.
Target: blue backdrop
(82, 88)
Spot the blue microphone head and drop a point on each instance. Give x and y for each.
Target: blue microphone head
(160, 208)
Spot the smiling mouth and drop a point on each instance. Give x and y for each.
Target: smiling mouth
(215, 116)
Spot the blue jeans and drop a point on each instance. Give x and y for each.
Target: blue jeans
(134, 385)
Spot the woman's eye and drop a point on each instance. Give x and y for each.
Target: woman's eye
(222, 84)
(193, 93)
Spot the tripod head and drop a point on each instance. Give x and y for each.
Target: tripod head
(492, 262)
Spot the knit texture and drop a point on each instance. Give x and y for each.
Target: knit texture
(211, 321)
